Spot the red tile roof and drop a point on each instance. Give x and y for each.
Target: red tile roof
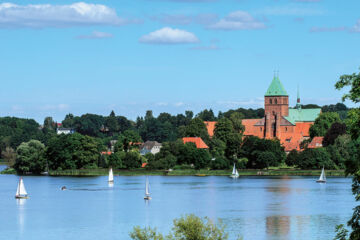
(197, 140)
(210, 125)
(143, 165)
(316, 142)
(106, 153)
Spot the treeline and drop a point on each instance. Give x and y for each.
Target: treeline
(30, 147)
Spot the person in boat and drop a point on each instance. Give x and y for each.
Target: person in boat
(63, 188)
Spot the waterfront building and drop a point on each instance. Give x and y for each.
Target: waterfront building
(289, 125)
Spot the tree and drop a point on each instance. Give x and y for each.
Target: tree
(49, 124)
(323, 123)
(196, 128)
(236, 119)
(132, 160)
(353, 122)
(206, 115)
(73, 151)
(69, 121)
(266, 159)
(112, 123)
(189, 227)
(145, 234)
(315, 159)
(353, 81)
(291, 158)
(9, 155)
(335, 130)
(116, 160)
(90, 124)
(30, 157)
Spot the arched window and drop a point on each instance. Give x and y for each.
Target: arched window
(275, 101)
(286, 129)
(270, 101)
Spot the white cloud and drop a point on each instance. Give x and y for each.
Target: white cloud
(169, 35)
(179, 104)
(246, 102)
(49, 15)
(239, 20)
(96, 35)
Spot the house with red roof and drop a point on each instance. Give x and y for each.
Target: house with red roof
(316, 142)
(197, 140)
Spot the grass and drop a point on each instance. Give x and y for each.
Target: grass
(201, 172)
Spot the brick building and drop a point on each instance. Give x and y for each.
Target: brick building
(290, 125)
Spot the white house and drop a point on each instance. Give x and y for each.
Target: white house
(64, 131)
(150, 147)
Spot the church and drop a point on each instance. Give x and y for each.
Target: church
(289, 125)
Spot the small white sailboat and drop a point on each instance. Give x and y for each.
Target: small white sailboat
(111, 176)
(147, 190)
(322, 178)
(21, 191)
(235, 173)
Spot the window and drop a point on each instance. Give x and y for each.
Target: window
(275, 101)
(270, 101)
(285, 129)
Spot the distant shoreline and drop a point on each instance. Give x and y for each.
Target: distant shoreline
(192, 172)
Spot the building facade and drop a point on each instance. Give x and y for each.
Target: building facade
(289, 125)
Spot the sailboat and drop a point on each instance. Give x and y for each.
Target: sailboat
(111, 176)
(21, 191)
(322, 178)
(235, 173)
(147, 192)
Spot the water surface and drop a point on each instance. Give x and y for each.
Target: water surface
(253, 207)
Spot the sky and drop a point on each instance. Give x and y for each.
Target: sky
(61, 56)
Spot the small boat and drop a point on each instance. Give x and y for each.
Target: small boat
(111, 176)
(147, 190)
(235, 173)
(21, 191)
(200, 175)
(322, 178)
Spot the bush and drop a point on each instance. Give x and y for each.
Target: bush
(291, 158)
(219, 163)
(315, 159)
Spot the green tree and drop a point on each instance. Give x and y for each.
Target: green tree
(335, 130)
(323, 123)
(69, 121)
(196, 128)
(116, 160)
(206, 115)
(189, 227)
(315, 159)
(9, 155)
(291, 158)
(132, 160)
(73, 151)
(353, 122)
(145, 234)
(236, 119)
(353, 81)
(111, 123)
(30, 157)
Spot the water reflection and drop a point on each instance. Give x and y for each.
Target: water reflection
(21, 215)
(111, 184)
(277, 226)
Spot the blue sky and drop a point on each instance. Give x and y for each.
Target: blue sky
(60, 57)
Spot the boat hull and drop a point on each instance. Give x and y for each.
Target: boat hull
(147, 198)
(234, 176)
(321, 181)
(21, 197)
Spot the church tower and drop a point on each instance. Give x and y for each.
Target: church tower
(276, 107)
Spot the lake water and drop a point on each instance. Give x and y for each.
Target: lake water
(252, 207)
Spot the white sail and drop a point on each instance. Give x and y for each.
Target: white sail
(234, 170)
(21, 191)
(111, 175)
(147, 192)
(322, 176)
(236, 173)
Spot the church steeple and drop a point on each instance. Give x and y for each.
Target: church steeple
(276, 88)
(298, 105)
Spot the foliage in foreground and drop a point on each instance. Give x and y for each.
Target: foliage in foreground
(189, 227)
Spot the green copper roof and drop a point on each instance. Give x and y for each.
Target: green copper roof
(303, 115)
(276, 88)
